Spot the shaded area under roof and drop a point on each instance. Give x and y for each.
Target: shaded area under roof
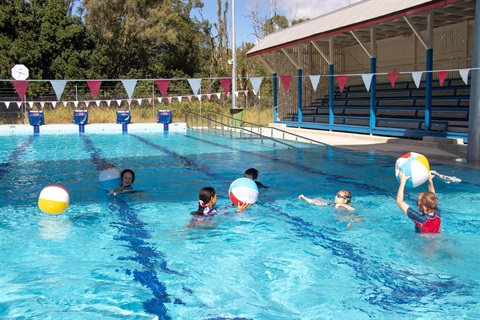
(387, 16)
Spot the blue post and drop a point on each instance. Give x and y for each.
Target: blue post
(473, 148)
(124, 127)
(36, 129)
(428, 91)
(300, 94)
(373, 94)
(275, 98)
(331, 82)
(81, 128)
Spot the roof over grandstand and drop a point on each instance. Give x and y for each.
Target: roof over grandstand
(386, 15)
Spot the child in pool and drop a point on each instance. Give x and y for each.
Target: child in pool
(207, 201)
(127, 177)
(252, 173)
(428, 219)
(342, 200)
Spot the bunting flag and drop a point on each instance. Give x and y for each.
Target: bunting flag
(189, 98)
(442, 75)
(94, 86)
(42, 104)
(225, 83)
(129, 86)
(179, 98)
(19, 104)
(286, 80)
(7, 103)
(367, 80)
(159, 100)
(209, 96)
(30, 104)
(393, 78)
(464, 74)
(163, 86)
(417, 77)
(21, 87)
(218, 95)
(54, 104)
(199, 97)
(342, 80)
(149, 100)
(76, 104)
(314, 80)
(228, 94)
(256, 82)
(58, 87)
(195, 85)
(108, 102)
(236, 94)
(119, 103)
(129, 101)
(169, 99)
(64, 103)
(245, 92)
(87, 103)
(97, 103)
(139, 101)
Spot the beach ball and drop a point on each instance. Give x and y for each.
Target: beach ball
(243, 190)
(53, 199)
(413, 165)
(110, 178)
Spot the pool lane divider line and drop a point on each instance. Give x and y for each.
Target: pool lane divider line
(15, 156)
(135, 235)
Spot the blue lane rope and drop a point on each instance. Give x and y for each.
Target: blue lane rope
(15, 156)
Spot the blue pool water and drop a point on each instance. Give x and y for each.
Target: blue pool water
(134, 256)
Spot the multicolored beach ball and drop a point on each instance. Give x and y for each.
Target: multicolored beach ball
(413, 165)
(243, 190)
(53, 199)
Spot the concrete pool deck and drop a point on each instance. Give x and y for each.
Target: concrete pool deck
(445, 151)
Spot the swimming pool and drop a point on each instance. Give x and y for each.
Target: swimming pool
(134, 255)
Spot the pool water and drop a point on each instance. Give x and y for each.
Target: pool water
(136, 256)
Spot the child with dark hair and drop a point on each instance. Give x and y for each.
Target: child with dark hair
(207, 199)
(252, 173)
(127, 177)
(428, 219)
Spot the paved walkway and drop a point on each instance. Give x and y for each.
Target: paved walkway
(438, 150)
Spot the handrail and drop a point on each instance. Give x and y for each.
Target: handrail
(276, 134)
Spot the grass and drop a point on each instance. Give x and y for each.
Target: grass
(139, 114)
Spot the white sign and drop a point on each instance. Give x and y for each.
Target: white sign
(19, 72)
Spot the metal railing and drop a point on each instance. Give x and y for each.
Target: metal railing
(235, 128)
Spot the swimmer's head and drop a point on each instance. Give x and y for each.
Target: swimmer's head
(251, 173)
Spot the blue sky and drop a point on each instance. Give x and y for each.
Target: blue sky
(292, 9)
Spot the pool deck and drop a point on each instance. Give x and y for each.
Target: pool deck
(445, 151)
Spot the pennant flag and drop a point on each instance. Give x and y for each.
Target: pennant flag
(58, 87)
(199, 97)
(245, 92)
(94, 86)
(314, 80)
(442, 75)
(209, 96)
(393, 78)
(286, 80)
(108, 102)
(21, 87)
(163, 86)
(19, 104)
(189, 98)
(236, 94)
(228, 94)
(225, 83)
(139, 101)
(30, 104)
(119, 102)
(367, 80)
(129, 101)
(129, 86)
(417, 77)
(87, 103)
(149, 100)
(42, 104)
(195, 85)
(7, 104)
(169, 99)
(64, 103)
(159, 100)
(75, 103)
(256, 82)
(464, 75)
(342, 80)
(179, 98)
(97, 102)
(218, 95)
(53, 104)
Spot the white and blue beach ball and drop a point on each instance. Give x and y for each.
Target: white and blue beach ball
(413, 165)
(110, 178)
(243, 190)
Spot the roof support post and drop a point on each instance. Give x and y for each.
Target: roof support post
(473, 148)
(275, 97)
(373, 83)
(331, 83)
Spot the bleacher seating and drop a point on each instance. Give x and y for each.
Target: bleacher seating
(400, 107)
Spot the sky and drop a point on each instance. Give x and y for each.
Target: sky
(292, 9)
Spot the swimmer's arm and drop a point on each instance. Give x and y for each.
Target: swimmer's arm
(400, 194)
(120, 190)
(313, 201)
(242, 206)
(344, 205)
(431, 187)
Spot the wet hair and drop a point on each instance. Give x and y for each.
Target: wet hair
(428, 199)
(125, 171)
(204, 196)
(252, 172)
(347, 194)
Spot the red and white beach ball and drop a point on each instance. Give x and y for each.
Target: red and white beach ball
(243, 190)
